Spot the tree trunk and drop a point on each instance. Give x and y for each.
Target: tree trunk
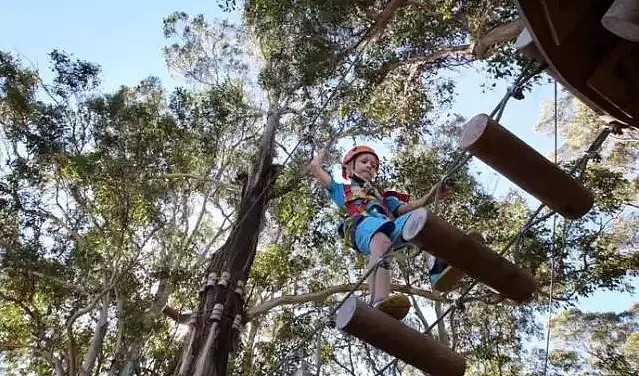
(441, 327)
(219, 316)
(128, 352)
(97, 339)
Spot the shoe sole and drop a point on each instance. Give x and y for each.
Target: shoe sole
(396, 306)
(447, 280)
(451, 276)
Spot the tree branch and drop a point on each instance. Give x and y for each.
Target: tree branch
(71, 348)
(97, 339)
(74, 235)
(498, 35)
(382, 19)
(322, 295)
(477, 50)
(177, 316)
(65, 284)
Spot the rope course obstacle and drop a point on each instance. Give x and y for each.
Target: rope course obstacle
(584, 59)
(484, 138)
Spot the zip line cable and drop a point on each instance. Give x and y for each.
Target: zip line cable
(553, 254)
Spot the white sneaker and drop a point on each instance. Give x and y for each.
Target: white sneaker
(414, 224)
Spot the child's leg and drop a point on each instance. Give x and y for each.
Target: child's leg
(379, 280)
(372, 238)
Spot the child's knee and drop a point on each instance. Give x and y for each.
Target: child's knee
(380, 243)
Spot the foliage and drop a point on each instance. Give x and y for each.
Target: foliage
(596, 343)
(108, 199)
(111, 203)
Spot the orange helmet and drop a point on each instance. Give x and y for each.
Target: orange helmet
(353, 153)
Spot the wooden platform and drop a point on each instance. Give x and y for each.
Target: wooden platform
(595, 65)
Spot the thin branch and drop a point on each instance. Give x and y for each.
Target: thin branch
(177, 316)
(324, 294)
(476, 50)
(97, 339)
(73, 235)
(382, 20)
(94, 302)
(65, 284)
(463, 50)
(418, 312)
(350, 371)
(119, 314)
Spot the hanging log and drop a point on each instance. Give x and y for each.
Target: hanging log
(392, 336)
(622, 19)
(521, 164)
(451, 276)
(445, 241)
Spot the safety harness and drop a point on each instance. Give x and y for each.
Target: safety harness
(356, 199)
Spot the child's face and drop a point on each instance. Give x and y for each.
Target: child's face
(365, 166)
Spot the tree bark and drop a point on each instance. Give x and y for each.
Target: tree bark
(323, 294)
(97, 339)
(220, 311)
(129, 352)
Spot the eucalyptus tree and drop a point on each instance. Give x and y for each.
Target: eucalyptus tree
(108, 203)
(595, 343)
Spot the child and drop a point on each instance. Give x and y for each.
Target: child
(378, 221)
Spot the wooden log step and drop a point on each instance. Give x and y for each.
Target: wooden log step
(372, 326)
(436, 236)
(563, 16)
(622, 19)
(521, 164)
(617, 78)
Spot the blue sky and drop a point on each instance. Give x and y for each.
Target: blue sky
(125, 38)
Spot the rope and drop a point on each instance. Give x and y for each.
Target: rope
(553, 255)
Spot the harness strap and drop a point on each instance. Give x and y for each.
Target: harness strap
(354, 207)
(347, 230)
(357, 210)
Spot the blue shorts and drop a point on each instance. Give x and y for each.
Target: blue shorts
(370, 225)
